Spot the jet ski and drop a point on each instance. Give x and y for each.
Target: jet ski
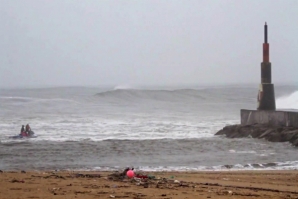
(22, 137)
(30, 135)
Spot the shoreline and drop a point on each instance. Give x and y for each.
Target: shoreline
(174, 185)
(148, 171)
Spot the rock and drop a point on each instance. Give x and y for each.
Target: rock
(295, 142)
(273, 134)
(228, 166)
(266, 133)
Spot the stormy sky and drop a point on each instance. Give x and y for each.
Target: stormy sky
(144, 42)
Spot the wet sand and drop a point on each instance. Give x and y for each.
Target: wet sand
(163, 185)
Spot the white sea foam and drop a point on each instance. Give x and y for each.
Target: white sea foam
(77, 129)
(288, 101)
(123, 87)
(234, 151)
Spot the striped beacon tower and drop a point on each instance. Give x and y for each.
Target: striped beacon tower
(266, 97)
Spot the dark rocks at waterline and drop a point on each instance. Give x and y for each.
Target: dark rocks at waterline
(273, 134)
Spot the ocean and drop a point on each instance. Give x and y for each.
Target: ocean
(152, 129)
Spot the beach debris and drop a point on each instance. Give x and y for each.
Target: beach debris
(15, 180)
(23, 171)
(112, 196)
(55, 176)
(146, 185)
(119, 176)
(130, 173)
(145, 180)
(141, 176)
(151, 177)
(1, 171)
(126, 170)
(116, 176)
(79, 175)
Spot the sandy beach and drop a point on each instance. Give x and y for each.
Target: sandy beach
(163, 185)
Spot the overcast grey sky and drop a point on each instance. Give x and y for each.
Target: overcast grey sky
(140, 42)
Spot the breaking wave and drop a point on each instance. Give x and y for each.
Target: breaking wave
(288, 101)
(123, 87)
(183, 95)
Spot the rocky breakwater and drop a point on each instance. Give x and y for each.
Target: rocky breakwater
(273, 134)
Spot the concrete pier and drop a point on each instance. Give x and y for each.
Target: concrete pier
(277, 118)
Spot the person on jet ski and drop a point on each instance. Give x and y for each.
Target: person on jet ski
(28, 130)
(23, 132)
(22, 129)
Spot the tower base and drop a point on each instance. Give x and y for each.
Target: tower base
(266, 97)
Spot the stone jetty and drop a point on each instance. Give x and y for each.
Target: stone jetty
(261, 131)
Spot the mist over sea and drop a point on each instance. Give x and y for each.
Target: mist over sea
(148, 128)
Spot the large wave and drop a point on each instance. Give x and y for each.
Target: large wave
(158, 95)
(179, 95)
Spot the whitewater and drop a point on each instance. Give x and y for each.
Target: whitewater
(151, 129)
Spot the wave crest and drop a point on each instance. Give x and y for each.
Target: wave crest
(123, 87)
(288, 102)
